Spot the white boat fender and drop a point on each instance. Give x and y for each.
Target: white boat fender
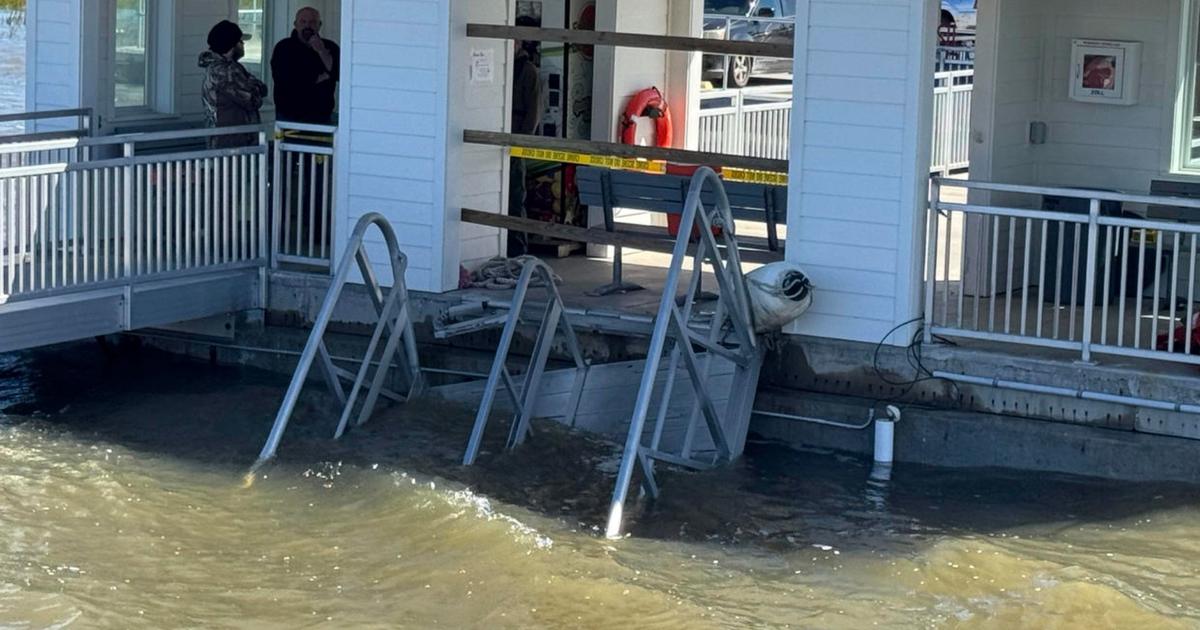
(779, 294)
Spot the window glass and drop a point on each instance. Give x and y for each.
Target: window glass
(131, 58)
(727, 7)
(1191, 152)
(252, 17)
(768, 8)
(789, 8)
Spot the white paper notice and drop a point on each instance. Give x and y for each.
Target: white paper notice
(483, 66)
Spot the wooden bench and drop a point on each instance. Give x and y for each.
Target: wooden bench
(610, 189)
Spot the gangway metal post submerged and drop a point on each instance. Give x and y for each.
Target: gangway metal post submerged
(394, 322)
(673, 326)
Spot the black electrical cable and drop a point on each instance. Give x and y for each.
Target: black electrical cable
(915, 359)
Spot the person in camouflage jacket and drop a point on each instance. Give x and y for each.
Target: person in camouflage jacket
(232, 96)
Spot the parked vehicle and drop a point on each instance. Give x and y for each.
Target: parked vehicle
(956, 28)
(748, 20)
(964, 13)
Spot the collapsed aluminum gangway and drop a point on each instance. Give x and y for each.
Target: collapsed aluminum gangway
(394, 323)
(696, 386)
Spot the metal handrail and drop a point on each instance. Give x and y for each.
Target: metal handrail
(127, 138)
(177, 134)
(672, 326)
(526, 399)
(287, 125)
(312, 216)
(748, 18)
(1114, 261)
(68, 167)
(47, 114)
(394, 321)
(1076, 193)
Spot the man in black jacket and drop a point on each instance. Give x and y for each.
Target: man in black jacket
(527, 108)
(305, 69)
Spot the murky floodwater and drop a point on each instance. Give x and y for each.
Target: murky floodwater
(12, 69)
(121, 505)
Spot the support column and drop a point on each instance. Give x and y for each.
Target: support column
(860, 163)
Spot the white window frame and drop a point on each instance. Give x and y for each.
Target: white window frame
(1186, 117)
(160, 63)
(268, 35)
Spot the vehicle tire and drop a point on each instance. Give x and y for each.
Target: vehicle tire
(740, 69)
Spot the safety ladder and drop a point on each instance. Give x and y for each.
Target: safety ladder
(725, 342)
(394, 323)
(525, 398)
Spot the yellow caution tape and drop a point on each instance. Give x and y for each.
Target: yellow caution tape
(754, 177)
(1147, 236)
(298, 135)
(604, 161)
(645, 166)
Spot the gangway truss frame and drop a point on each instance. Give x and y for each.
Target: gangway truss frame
(677, 329)
(525, 398)
(394, 321)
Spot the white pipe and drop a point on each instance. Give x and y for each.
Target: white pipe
(828, 423)
(885, 441)
(885, 436)
(1081, 394)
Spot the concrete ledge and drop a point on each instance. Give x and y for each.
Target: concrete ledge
(850, 369)
(974, 440)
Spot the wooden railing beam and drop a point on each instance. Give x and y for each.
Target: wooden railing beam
(613, 149)
(631, 40)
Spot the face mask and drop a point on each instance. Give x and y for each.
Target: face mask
(239, 51)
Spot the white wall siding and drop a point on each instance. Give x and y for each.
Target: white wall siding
(859, 161)
(392, 138)
(53, 56)
(1016, 64)
(1087, 144)
(476, 176)
(1098, 145)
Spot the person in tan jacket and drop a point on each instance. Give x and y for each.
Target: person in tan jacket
(232, 96)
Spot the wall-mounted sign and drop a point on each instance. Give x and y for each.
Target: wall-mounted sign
(483, 66)
(1105, 71)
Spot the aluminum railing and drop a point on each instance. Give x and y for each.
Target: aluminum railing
(757, 121)
(1099, 282)
(953, 92)
(76, 224)
(49, 146)
(953, 58)
(302, 195)
(753, 122)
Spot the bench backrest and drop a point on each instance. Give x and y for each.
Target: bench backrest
(667, 193)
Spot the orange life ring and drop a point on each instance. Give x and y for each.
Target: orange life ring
(649, 102)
